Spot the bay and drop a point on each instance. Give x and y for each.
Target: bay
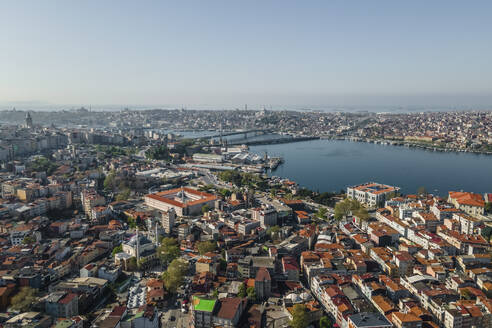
(332, 165)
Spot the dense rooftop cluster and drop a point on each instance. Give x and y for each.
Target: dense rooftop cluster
(100, 228)
(457, 131)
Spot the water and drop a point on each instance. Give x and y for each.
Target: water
(331, 165)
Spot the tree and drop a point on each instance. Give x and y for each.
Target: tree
(325, 322)
(362, 214)
(273, 231)
(173, 277)
(28, 240)
(242, 290)
(168, 250)
(392, 195)
(124, 195)
(241, 178)
(299, 316)
(208, 187)
(43, 164)
(305, 193)
(116, 250)
(345, 207)
(205, 208)
(206, 246)
(132, 223)
(225, 192)
(322, 211)
(215, 294)
(488, 207)
(223, 264)
(486, 232)
(158, 153)
(231, 176)
(142, 263)
(251, 294)
(325, 198)
(109, 180)
(23, 299)
(138, 220)
(132, 264)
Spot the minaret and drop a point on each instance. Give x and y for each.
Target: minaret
(156, 236)
(220, 130)
(138, 247)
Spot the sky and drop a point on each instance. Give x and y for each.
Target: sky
(231, 53)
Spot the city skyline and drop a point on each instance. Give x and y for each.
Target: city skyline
(256, 53)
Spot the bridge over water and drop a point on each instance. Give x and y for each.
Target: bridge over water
(247, 133)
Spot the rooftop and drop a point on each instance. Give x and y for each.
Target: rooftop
(368, 319)
(182, 197)
(375, 188)
(203, 304)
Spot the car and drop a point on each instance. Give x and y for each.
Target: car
(172, 318)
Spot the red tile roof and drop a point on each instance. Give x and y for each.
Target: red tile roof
(229, 307)
(467, 198)
(68, 298)
(204, 197)
(263, 275)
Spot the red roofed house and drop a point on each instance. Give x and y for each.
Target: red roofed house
(302, 217)
(62, 305)
(185, 201)
(468, 202)
(230, 311)
(5, 293)
(89, 270)
(290, 268)
(155, 291)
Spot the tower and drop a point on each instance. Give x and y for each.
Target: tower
(168, 220)
(138, 247)
(28, 120)
(220, 131)
(156, 235)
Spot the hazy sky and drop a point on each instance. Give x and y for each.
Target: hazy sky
(255, 52)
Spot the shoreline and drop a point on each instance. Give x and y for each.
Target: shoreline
(276, 141)
(421, 146)
(409, 145)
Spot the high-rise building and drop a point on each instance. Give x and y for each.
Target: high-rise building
(263, 284)
(168, 220)
(267, 215)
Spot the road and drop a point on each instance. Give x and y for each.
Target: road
(317, 206)
(209, 178)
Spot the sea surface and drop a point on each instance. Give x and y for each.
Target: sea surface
(332, 165)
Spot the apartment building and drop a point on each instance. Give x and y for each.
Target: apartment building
(372, 193)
